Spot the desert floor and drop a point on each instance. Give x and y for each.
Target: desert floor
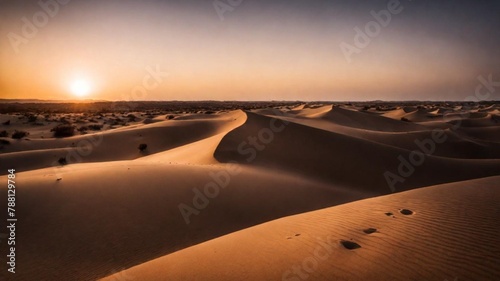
(304, 191)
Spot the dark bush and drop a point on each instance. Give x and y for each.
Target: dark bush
(131, 117)
(62, 161)
(64, 120)
(6, 122)
(169, 117)
(142, 147)
(19, 134)
(4, 134)
(405, 119)
(32, 118)
(95, 127)
(4, 142)
(61, 131)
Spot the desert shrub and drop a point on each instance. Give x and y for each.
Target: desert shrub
(405, 119)
(4, 134)
(131, 117)
(6, 123)
(63, 120)
(142, 147)
(83, 129)
(95, 127)
(61, 131)
(4, 142)
(117, 122)
(19, 134)
(62, 161)
(32, 118)
(169, 117)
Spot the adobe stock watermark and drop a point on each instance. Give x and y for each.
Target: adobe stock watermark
(40, 19)
(427, 147)
(221, 179)
(309, 265)
(363, 37)
(222, 7)
(82, 148)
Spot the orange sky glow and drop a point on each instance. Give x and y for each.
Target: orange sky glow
(171, 50)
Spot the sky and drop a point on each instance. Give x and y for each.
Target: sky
(343, 50)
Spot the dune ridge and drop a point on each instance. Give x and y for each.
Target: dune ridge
(338, 158)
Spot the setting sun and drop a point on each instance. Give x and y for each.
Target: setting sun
(80, 88)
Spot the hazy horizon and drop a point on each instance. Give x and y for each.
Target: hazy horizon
(257, 50)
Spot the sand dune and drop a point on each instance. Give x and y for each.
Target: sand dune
(487, 120)
(365, 121)
(106, 217)
(337, 158)
(252, 194)
(485, 133)
(459, 144)
(109, 145)
(445, 232)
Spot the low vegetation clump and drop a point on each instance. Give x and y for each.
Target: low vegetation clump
(118, 122)
(142, 147)
(4, 134)
(4, 142)
(405, 119)
(83, 129)
(19, 134)
(65, 130)
(63, 120)
(6, 123)
(95, 127)
(131, 117)
(32, 118)
(62, 161)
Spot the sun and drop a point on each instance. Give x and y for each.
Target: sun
(80, 88)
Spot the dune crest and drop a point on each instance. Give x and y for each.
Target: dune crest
(337, 158)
